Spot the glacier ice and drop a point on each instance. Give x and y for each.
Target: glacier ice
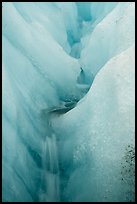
(68, 101)
(105, 41)
(100, 136)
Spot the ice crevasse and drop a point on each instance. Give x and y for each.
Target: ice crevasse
(68, 101)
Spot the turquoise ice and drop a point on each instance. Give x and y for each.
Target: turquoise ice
(68, 101)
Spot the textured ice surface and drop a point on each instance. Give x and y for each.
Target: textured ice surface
(111, 36)
(102, 128)
(57, 57)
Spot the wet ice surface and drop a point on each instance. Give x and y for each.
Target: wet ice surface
(68, 101)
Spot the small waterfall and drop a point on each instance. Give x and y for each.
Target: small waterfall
(50, 184)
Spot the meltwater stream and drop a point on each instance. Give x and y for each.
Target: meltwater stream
(50, 178)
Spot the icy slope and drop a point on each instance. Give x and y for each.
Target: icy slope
(102, 130)
(37, 75)
(112, 35)
(53, 54)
